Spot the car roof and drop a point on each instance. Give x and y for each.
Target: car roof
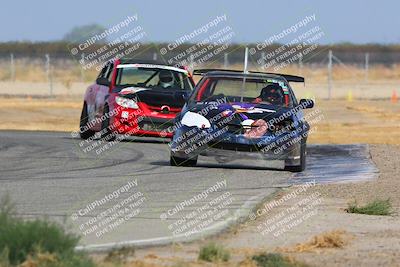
(129, 62)
(142, 61)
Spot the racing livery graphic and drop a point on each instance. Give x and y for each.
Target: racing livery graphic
(233, 115)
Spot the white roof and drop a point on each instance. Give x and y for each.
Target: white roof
(151, 66)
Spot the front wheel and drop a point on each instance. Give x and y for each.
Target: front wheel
(302, 166)
(84, 130)
(182, 162)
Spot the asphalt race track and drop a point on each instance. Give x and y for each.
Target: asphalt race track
(66, 179)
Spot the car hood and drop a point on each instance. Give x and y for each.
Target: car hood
(241, 111)
(156, 96)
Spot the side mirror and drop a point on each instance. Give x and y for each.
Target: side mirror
(102, 81)
(306, 103)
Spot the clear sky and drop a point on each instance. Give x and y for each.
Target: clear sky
(357, 21)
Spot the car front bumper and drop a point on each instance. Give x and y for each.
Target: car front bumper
(228, 147)
(143, 123)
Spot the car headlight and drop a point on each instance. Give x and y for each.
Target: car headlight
(192, 119)
(126, 103)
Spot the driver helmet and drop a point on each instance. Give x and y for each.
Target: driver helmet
(166, 78)
(272, 94)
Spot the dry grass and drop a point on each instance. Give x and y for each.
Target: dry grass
(344, 133)
(248, 263)
(355, 122)
(377, 112)
(68, 71)
(31, 104)
(63, 71)
(139, 263)
(339, 72)
(41, 259)
(373, 122)
(332, 239)
(40, 114)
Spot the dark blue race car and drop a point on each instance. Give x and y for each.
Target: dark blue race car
(235, 115)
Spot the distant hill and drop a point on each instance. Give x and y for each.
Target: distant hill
(82, 33)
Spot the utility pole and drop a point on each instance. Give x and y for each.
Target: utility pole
(301, 64)
(263, 61)
(329, 74)
(191, 63)
(226, 61)
(12, 68)
(48, 74)
(246, 56)
(366, 66)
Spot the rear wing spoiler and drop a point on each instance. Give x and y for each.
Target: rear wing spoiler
(289, 78)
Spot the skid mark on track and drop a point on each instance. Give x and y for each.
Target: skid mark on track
(337, 164)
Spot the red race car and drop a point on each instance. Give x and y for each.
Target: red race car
(134, 98)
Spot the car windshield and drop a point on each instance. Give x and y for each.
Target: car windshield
(157, 78)
(239, 89)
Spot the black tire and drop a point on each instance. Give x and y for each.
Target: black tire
(84, 131)
(302, 166)
(106, 133)
(181, 162)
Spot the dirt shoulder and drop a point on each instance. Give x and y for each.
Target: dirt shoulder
(371, 240)
(368, 240)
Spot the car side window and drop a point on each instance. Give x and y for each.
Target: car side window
(102, 72)
(109, 71)
(106, 71)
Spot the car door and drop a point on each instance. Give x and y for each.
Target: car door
(103, 89)
(96, 95)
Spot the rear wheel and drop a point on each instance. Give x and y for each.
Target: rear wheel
(107, 133)
(302, 166)
(182, 162)
(84, 130)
